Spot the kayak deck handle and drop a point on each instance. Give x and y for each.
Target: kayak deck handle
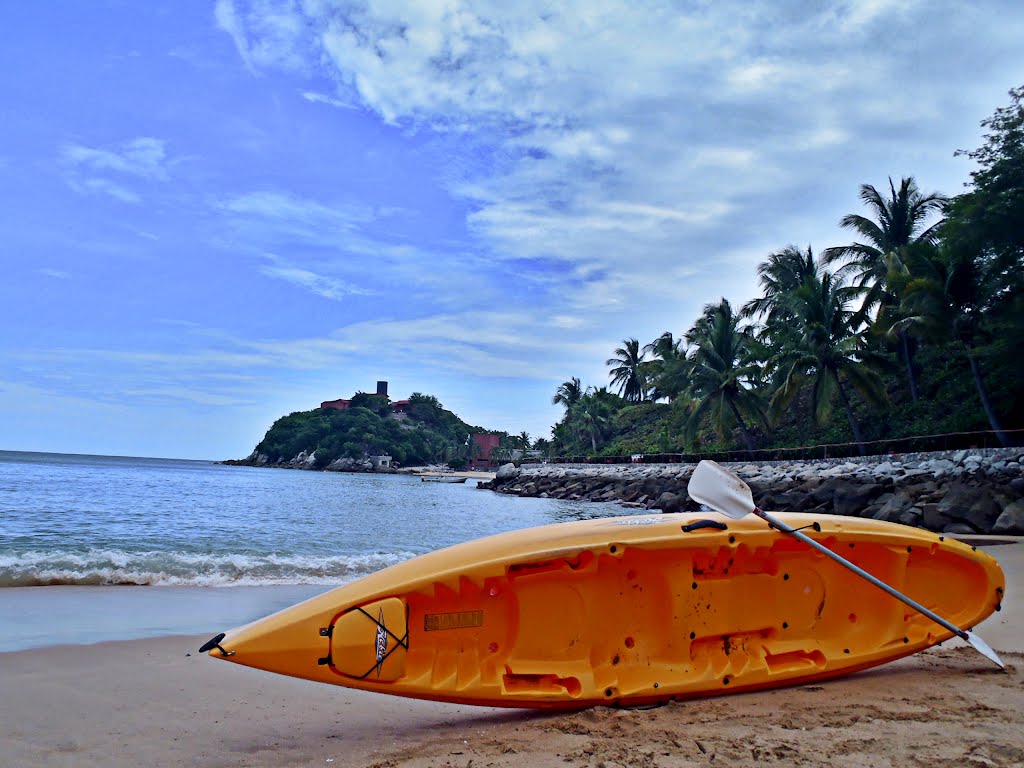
(699, 524)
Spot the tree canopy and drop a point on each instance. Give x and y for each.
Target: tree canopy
(915, 327)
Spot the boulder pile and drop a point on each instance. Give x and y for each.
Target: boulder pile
(969, 491)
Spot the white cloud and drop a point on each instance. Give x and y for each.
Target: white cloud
(144, 158)
(643, 157)
(323, 98)
(109, 170)
(322, 285)
(57, 274)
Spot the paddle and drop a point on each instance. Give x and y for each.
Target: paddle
(718, 488)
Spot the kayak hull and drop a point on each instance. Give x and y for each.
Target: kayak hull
(627, 610)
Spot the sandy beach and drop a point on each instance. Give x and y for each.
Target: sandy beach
(159, 703)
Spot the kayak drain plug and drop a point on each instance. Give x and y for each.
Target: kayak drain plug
(215, 643)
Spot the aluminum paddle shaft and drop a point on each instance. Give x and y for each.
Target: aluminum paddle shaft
(970, 637)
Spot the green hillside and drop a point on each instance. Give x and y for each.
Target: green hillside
(426, 433)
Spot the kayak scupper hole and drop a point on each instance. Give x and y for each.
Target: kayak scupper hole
(615, 659)
(785, 577)
(785, 625)
(609, 692)
(693, 635)
(613, 549)
(725, 681)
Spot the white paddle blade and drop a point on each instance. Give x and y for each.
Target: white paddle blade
(984, 649)
(714, 486)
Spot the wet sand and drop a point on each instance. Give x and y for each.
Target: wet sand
(159, 703)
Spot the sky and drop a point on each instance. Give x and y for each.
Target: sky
(218, 212)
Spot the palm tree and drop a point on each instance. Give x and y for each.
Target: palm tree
(782, 273)
(722, 365)
(629, 371)
(668, 371)
(568, 394)
(827, 349)
(898, 223)
(952, 293)
(593, 416)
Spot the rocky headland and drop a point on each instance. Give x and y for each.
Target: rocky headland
(965, 492)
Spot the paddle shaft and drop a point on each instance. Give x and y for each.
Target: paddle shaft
(860, 572)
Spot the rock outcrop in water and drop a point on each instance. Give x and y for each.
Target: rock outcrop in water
(970, 491)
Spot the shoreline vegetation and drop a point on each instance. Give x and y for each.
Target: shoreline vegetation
(915, 327)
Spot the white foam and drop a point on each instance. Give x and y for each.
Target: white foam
(100, 567)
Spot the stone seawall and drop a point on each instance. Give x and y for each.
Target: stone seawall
(969, 491)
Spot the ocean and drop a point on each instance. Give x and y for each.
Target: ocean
(96, 548)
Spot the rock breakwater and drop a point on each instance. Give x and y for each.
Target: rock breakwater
(970, 491)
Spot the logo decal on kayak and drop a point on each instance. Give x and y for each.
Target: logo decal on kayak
(382, 641)
(637, 521)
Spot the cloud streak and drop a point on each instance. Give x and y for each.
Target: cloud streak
(109, 171)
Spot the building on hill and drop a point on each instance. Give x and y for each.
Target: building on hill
(483, 448)
(399, 406)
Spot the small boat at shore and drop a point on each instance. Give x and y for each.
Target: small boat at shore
(442, 479)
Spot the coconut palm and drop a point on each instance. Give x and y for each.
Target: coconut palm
(951, 294)
(628, 371)
(782, 273)
(899, 221)
(568, 394)
(722, 365)
(667, 371)
(827, 348)
(589, 420)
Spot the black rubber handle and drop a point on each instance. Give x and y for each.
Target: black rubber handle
(698, 524)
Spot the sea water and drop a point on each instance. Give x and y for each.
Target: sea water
(213, 542)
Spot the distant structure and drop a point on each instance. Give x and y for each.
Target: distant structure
(483, 445)
(399, 406)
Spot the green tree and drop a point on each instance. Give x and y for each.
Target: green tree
(988, 217)
(899, 221)
(952, 294)
(568, 394)
(668, 369)
(723, 363)
(592, 416)
(780, 275)
(628, 371)
(828, 350)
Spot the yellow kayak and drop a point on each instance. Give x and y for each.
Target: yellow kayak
(627, 610)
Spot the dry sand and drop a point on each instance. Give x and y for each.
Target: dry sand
(149, 703)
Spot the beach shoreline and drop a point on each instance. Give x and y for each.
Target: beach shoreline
(157, 702)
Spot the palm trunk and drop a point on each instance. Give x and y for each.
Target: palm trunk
(911, 377)
(854, 426)
(979, 383)
(747, 437)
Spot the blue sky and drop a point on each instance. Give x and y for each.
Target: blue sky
(216, 213)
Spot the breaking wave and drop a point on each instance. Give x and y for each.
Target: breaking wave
(116, 567)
